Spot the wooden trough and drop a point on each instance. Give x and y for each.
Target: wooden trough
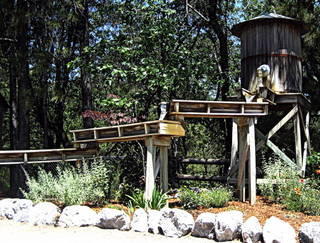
(16, 157)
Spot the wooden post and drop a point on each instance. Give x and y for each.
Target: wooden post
(252, 163)
(164, 168)
(243, 156)
(234, 147)
(306, 145)
(150, 177)
(297, 135)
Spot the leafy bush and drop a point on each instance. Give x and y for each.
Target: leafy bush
(281, 171)
(70, 185)
(313, 166)
(158, 200)
(217, 197)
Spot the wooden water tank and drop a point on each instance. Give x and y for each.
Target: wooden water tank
(274, 40)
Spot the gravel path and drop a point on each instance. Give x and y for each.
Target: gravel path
(17, 232)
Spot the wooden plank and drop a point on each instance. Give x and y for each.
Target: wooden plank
(252, 163)
(234, 147)
(243, 156)
(305, 129)
(150, 177)
(282, 122)
(297, 135)
(162, 141)
(204, 161)
(216, 115)
(217, 102)
(306, 145)
(171, 129)
(164, 168)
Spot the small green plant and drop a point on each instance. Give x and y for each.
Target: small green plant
(313, 166)
(216, 197)
(286, 177)
(71, 185)
(157, 201)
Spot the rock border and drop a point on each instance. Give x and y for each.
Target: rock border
(174, 223)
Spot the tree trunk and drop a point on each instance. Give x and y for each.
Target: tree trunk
(86, 84)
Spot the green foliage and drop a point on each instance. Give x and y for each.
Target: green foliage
(157, 201)
(313, 166)
(294, 193)
(279, 170)
(4, 179)
(216, 197)
(70, 186)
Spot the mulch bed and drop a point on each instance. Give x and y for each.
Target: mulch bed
(263, 209)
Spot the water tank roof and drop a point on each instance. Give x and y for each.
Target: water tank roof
(268, 18)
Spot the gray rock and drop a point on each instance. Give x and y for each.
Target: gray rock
(16, 209)
(204, 225)
(251, 230)
(276, 230)
(175, 222)
(310, 232)
(153, 221)
(44, 213)
(77, 216)
(113, 219)
(228, 225)
(139, 221)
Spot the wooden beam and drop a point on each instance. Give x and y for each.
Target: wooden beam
(306, 145)
(298, 146)
(201, 178)
(243, 157)
(305, 129)
(283, 121)
(252, 163)
(234, 147)
(164, 168)
(150, 176)
(274, 148)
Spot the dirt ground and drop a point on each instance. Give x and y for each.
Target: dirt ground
(17, 232)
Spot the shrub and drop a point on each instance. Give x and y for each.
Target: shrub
(216, 197)
(313, 166)
(87, 183)
(279, 170)
(157, 201)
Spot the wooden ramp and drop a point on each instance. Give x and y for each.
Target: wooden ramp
(129, 132)
(14, 157)
(217, 109)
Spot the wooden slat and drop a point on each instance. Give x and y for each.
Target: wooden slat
(234, 147)
(306, 146)
(204, 161)
(150, 176)
(201, 178)
(252, 163)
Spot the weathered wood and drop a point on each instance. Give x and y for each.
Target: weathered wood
(252, 163)
(14, 157)
(298, 146)
(217, 109)
(306, 146)
(243, 157)
(283, 121)
(129, 132)
(234, 147)
(150, 168)
(164, 169)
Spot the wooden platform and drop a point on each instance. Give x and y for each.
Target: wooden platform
(217, 109)
(129, 132)
(12, 157)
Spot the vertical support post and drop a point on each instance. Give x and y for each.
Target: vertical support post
(243, 157)
(164, 168)
(234, 147)
(252, 163)
(306, 144)
(150, 176)
(297, 135)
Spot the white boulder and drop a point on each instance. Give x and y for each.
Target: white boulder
(139, 221)
(228, 225)
(113, 219)
(153, 221)
(204, 225)
(44, 213)
(276, 230)
(175, 222)
(251, 230)
(310, 232)
(77, 216)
